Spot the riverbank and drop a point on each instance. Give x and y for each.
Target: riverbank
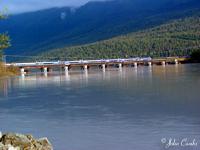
(7, 71)
(12, 141)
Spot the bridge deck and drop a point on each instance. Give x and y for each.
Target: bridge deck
(85, 64)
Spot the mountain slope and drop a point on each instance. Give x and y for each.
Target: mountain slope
(177, 38)
(40, 31)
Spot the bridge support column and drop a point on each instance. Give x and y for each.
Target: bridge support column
(176, 61)
(120, 66)
(150, 64)
(22, 71)
(104, 67)
(135, 65)
(66, 69)
(163, 63)
(45, 69)
(85, 67)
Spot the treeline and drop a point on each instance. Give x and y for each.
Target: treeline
(4, 40)
(4, 43)
(177, 38)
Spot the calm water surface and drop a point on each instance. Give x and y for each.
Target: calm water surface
(129, 109)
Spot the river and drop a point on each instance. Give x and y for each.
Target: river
(130, 109)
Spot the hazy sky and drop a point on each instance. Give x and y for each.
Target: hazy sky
(18, 6)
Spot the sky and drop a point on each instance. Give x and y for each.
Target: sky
(19, 6)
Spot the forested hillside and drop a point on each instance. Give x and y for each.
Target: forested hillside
(177, 38)
(36, 32)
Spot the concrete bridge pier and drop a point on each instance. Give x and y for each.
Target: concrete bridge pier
(22, 71)
(85, 67)
(66, 68)
(104, 67)
(135, 64)
(163, 63)
(45, 69)
(150, 64)
(176, 62)
(120, 66)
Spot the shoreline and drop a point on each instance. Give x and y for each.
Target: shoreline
(7, 71)
(14, 69)
(15, 141)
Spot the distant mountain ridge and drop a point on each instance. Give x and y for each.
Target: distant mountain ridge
(178, 38)
(40, 31)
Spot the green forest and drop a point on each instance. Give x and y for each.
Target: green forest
(4, 40)
(176, 38)
(4, 43)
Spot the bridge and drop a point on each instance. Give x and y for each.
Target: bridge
(102, 64)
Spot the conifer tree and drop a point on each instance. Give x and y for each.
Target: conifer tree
(4, 40)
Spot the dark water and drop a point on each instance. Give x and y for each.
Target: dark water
(132, 109)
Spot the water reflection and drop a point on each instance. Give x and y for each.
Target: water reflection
(67, 76)
(4, 87)
(132, 108)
